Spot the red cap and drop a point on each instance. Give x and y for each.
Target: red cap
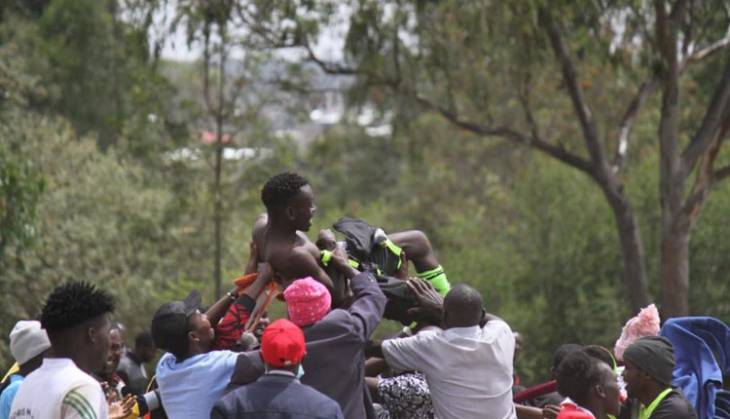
(282, 344)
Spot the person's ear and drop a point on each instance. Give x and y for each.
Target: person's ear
(600, 391)
(192, 336)
(290, 213)
(91, 334)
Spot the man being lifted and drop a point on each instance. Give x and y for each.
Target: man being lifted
(280, 239)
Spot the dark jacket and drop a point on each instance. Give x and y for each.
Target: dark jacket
(335, 359)
(276, 397)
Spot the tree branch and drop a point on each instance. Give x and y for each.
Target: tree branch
(627, 122)
(330, 68)
(588, 125)
(698, 195)
(556, 152)
(705, 134)
(707, 51)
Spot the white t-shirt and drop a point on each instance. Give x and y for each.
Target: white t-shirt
(59, 389)
(189, 389)
(468, 369)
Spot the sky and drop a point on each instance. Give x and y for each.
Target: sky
(329, 46)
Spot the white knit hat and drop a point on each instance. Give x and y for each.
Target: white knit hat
(28, 340)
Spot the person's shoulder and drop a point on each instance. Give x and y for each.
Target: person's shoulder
(166, 362)
(674, 406)
(497, 324)
(9, 392)
(304, 253)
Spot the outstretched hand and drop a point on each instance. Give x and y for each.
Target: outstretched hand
(120, 410)
(430, 302)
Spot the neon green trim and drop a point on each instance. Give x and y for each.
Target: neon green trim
(645, 413)
(353, 263)
(437, 278)
(325, 256)
(394, 249)
(432, 272)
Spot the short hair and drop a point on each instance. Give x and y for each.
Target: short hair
(464, 306)
(144, 339)
(72, 304)
(577, 374)
(281, 188)
(602, 354)
(562, 352)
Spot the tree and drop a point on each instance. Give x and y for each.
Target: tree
(480, 64)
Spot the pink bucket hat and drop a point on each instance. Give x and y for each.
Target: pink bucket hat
(646, 323)
(307, 300)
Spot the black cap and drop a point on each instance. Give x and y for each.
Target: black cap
(170, 322)
(654, 355)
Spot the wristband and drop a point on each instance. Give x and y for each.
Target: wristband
(325, 256)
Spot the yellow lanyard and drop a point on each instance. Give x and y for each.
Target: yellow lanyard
(645, 413)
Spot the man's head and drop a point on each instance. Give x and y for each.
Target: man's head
(307, 301)
(589, 382)
(116, 349)
(462, 307)
(288, 197)
(181, 329)
(649, 364)
(75, 317)
(28, 342)
(144, 347)
(282, 345)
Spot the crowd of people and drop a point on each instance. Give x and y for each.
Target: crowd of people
(451, 360)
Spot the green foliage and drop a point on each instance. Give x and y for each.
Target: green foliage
(20, 187)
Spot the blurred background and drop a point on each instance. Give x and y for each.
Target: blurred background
(135, 136)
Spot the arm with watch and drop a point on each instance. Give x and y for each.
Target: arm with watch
(230, 314)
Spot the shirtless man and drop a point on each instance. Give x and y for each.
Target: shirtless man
(279, 234)
(280, 239)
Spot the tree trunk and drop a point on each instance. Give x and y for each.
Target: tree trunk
(218, 213)
(675, 267)
(632, 248)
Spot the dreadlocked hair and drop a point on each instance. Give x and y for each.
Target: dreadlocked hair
(577, 374)
(74, 303)
(281, 188)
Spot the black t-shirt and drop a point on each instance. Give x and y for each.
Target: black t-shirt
(674, 406)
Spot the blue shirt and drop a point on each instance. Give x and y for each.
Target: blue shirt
(189, 389)
(6, 398)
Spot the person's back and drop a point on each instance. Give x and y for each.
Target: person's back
(190, 387)
(278, 393)
(335, 362)
(468, 370)
(275, 396)
(468, 367)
